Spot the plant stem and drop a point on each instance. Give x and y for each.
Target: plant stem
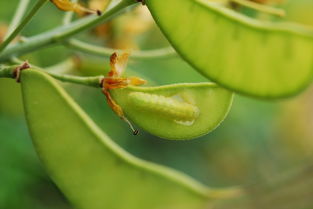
(89, 22)
(20, 27)
(63, 67)
(102, 51)
(19, 13)
(61, 33)
(68, 16)
(93, 81)
(261, 8)
(7, 71)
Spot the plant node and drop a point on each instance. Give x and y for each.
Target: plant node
(17, 70)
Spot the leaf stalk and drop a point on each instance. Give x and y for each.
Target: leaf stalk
(21, 26)
(62, 33)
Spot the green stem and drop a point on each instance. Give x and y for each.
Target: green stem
(19, 13)
(261, 8)
(20, 27)
(69, 16)
(61, 33)
(102, 51)
(89, 22)
(63, 67)
(7, 71)
(93, 81)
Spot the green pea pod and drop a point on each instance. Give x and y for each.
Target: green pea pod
(261, 59)
(91, 170)
(178, 111)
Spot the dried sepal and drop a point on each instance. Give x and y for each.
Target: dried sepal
(114, 80)
(67, 5)
(99, 4)
(118, 64)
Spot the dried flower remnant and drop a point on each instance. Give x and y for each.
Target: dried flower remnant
(67, 5)
(98, 4)
(114, 80)
(17, 72)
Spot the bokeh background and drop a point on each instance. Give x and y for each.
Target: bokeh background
(258, 140)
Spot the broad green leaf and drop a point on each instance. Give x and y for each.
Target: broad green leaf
(91, 170)
(178, 111)
(261, 59)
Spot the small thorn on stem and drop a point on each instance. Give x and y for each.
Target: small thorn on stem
(17, 71)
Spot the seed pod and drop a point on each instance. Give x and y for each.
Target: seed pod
(245, 55)
(87, 165)
(179, 111)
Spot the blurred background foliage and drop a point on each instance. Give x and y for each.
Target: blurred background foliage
(257, 141)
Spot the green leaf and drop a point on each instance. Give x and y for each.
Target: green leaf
(178, 111)
(261, 59)
(91, 170)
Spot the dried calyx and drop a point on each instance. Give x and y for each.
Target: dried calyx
(114, 80)
(67, 5)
